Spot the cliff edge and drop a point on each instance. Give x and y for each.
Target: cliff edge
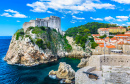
(35, 46)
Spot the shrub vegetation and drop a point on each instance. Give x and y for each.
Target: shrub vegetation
(39, 42)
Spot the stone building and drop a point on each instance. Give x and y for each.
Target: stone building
(103, 31)
(99, 50)
(52, 22)
(126, 49)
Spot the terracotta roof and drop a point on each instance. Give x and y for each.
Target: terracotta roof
(114, 38)
(111, 46)
(108, 46)
(95, 34)
(101, 45)
(121, 43)
(98, 38)
(123, 35)
(104, 29)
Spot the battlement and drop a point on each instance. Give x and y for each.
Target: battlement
(53, 22)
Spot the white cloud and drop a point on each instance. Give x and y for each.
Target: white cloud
(99, 19)
(128, 23)
(122, 9)
(49, 12)
(78, 18)
(73, 21)
(122, 18)
(12, 13)
(18, 21)
(75, 6)
(122, 1)
(123, 24)
(119, 20)
(109, 18)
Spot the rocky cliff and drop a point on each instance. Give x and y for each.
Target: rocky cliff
(64, 72)
(35, 46)
(77, 51)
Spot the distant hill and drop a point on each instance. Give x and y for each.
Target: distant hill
(93, 27)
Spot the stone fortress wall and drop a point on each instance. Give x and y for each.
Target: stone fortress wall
(95, 64)
(116, 60)
(52, 22)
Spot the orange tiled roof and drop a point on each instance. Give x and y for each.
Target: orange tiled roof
(108, 46)
(95, 34)
(123, 35)
(101, 45)
(111, 46)
(104, 29)
(114, 38)
(121, 43)
(98, 38)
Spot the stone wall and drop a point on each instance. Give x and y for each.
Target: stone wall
(116, 60)
(52, 22)
(82, 78)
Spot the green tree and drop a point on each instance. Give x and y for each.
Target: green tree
(110, 36)
(93, 45)
(39, 42)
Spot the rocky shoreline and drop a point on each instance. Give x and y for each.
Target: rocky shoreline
(65, 72)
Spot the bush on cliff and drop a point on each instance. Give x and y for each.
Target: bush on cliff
(43, 28)
(37, 30)
(39, 42)
(19, 33)
(67, 46)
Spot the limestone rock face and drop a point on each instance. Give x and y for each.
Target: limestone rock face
(35, 46)
(64, 71)
(52, 72)
(68, 81)
(82, 63)
(24, 52)
(77, 51)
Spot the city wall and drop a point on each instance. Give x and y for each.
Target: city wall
(116, 60)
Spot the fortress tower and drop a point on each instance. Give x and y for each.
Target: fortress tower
(53, 22)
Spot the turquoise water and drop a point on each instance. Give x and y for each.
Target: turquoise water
(13, 74)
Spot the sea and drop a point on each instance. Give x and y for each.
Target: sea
(16, 74)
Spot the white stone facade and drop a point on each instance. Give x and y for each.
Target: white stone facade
(53, 22)
(103, 31)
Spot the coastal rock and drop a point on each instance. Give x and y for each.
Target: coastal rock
(77, 51)
(35, 46)
(64, 71)
(68, 81)
(24, 52)
(82, 63)
(52, 72)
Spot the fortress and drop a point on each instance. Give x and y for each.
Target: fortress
(111, 69)
(53, 22)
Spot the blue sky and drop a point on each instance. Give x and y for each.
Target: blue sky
(13, 13)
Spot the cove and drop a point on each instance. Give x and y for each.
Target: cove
(14, 74)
